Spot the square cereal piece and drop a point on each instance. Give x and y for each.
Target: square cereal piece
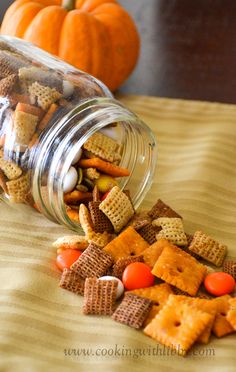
(153, 252)
(118, 208)
(132, 311)
(99, 296)
(11, 170)
(24, 127)
(18, 189)
(139, 220)
(148, 233)
(158, 294)
(231, 315)
(102, 146)
(93, 262)
(160, 209)
(178, 325)
(100, 221)
(207, 306)
(120, 265)
(172, 230)
(128, 243)
(72, 281)
(208, 248)
(7, 85)
(178, 268)
(229, 267)
(221, 326)
(42, 95)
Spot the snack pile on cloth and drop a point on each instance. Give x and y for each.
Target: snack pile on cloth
(162, 268)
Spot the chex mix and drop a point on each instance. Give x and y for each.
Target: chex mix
(175, 287)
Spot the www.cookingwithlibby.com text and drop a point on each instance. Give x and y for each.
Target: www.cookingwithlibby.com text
(127, 352)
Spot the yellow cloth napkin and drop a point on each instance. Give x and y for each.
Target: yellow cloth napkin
(42, 327)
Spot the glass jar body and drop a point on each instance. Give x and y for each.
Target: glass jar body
(49, 111)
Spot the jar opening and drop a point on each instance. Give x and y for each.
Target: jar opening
(63, 142)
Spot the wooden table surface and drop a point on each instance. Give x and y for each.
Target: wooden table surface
(188, 49)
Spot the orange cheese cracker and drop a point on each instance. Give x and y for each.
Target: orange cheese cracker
(128, 243)
(178, 268)
(207, 306)
(221, 326)
(178, 325)
(152, 253)
(231, 315)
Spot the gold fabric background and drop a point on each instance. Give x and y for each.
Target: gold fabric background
(196, 175)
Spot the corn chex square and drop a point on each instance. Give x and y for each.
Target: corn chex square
(103, 146)
(172, 230)
(208, 248)
(178, 325)
(118, 208)
(178, 268)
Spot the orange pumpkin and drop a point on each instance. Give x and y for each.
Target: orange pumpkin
(96, 36)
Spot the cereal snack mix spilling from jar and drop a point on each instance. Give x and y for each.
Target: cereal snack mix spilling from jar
(63, 138)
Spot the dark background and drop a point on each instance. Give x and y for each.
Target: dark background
(188, 48)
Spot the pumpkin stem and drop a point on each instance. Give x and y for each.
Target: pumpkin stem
(68, 4)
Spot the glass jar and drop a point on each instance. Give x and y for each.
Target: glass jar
(49, 112)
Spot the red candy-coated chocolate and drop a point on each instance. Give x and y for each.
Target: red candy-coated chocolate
(137, 275)
(66, 258)
(219, 283)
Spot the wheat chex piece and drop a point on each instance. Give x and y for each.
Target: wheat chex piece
(132, 311)
(99, 296)
(208, 248)
(222, 326)
(72, 281)
(122, 263)
(93, 262)
(160, 209)
(24, 127)
(43, 96)
(207, 306)
(231, 315)
(85, 220)
(100, 221)
(18, 189)
(229, 267)
(172, 230)
(158, 294)
(71, 242)
(178, 325)
(139, 220)
(178, 268)
(102, 146)
(152, 253)
(118, 208)
(149, 233)
(7, 85)
(128, 243)
(10, 169)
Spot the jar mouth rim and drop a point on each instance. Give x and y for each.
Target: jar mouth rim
(104, 111)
